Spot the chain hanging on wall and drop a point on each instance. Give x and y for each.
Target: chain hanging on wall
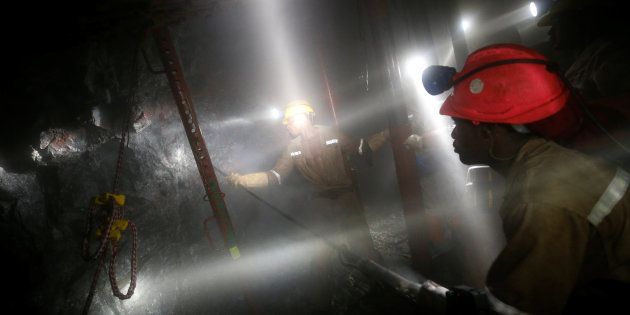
(112, 205)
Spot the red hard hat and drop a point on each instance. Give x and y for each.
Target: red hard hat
(515, 90)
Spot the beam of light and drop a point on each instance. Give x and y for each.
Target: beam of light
(275, 113)
(465, 24)
(226, 123)
(433, 123)
(274, 25)
(533, 9)
(414, 66)
(218, 277)
(449, 59)
(220, 273)
(509, 19)
(485, 234)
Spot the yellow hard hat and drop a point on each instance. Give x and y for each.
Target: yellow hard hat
(296, 108)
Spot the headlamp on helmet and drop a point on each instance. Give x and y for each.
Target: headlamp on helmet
(297, 108)
(503, 83)
(438, 79)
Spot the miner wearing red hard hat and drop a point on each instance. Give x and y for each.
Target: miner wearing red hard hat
(566, 215)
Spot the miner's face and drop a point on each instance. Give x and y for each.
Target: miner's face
(470, 142)
(297, 123)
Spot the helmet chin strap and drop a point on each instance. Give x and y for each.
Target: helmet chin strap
(494, 156)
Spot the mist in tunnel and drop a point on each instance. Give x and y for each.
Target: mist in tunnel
(243, 61)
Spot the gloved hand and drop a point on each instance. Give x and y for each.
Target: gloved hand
(234, 179)
(432, 296)
(252, 180)
(414, 142)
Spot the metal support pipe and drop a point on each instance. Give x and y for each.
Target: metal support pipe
(187, 113)
(331, 101)
(175, 75)
(400, 129)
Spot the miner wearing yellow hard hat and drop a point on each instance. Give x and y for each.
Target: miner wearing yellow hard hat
(322, 155)
(319, 152)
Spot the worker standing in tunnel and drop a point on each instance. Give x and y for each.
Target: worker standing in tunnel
(322, 155)
(566, 216)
